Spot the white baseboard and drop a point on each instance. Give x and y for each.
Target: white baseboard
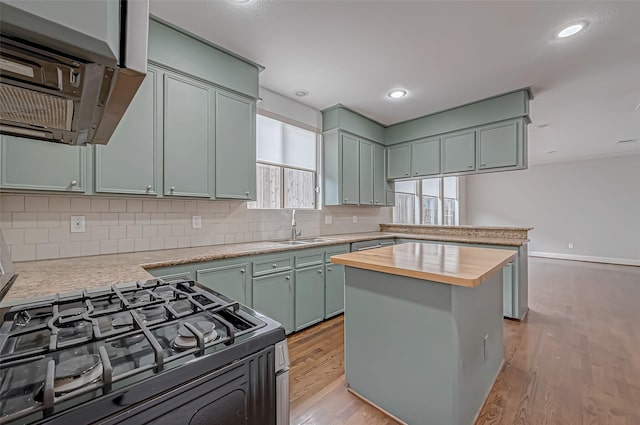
(590, 259)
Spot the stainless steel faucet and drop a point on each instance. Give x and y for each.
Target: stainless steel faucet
(294, 232)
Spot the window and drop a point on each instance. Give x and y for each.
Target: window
(427, 201)
(286, 165)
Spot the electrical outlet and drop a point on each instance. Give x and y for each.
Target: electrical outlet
(196, 222)
(77, 224)
(570, 245)
(328, 219)
(355, 218)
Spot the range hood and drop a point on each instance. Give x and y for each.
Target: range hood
(59, 82)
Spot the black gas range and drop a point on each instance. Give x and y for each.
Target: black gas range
(161, 352)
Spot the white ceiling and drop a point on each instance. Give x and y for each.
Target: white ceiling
(586, 88)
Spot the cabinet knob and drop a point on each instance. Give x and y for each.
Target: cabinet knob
(469, 166)
(416, 173)
(274, 265)
(247, 193)
(172, 188)
(483, 165)
(329, 269)
(242, 270)
(149, 187)
(375, 202)
(320, 271)
(406, 174)
(371, 201)
(288, 277)
(346, 199)
(73, 182)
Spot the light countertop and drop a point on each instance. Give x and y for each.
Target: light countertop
(449, 264)
(46, 277)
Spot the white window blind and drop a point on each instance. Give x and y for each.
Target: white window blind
(283, 144)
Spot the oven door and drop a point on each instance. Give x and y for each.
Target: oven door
(242, 393)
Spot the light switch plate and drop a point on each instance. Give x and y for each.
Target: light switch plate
(196, 222)
(328, 219)
(355, 218)
(77, 224)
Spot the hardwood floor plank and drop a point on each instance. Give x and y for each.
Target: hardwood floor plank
(575, 359)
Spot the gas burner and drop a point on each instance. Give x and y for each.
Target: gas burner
(152, 313)
(128, 341)
(186, 339)
(72, 312)
(77, 372)
(73, 330)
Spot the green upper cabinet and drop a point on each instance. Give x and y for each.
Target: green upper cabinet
(459, 152)
(366, 173)
(425, 157)
(128, 163)
(399, 161)
(496, 147)
(187, 141)
(350, 170)
(379, 180)
(37, 165)
(235, 154)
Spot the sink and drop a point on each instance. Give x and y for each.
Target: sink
(302, 241)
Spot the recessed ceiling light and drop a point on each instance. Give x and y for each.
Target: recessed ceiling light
(301, 92)
(550, 152)
(571, 30)
(397, 94)
(619, 142)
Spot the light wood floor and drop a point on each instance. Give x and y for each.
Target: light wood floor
(574, 360)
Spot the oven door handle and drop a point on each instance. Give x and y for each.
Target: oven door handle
(128, 398)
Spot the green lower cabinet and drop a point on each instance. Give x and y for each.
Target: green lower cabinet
(334, 290)
(273, 297)
(507, 291)
(229, 280)
(309, 296)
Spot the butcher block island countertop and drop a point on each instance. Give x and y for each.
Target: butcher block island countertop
(455, 265)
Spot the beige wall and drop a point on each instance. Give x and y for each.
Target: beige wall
(593, 203)
(37, 227)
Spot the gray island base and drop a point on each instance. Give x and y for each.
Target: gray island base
(425, 352)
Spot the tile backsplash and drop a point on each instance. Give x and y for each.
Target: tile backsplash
(37, 227)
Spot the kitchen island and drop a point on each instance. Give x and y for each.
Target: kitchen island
(423, 329)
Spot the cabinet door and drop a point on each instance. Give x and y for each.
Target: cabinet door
(334, 289)
(186, 137)
(127, 163)
(366, 173)
(235, 147)
(459, 152)
(309, 296)
(273, 297)
(425, 157)
(379, 180)
(391, 193)
(399, 162)
(498, 146)
(350, 170)
(37, 165)
(230, 280)
(507, 288)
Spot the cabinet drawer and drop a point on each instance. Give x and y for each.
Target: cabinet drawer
(271, 265)
(309, 257)
(335, 250)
